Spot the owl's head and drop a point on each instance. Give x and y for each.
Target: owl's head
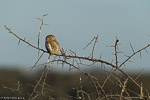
(50, 38)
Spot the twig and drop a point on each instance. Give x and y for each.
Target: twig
(132, 48)
(23, 39)
(96, 39)
(45, 76)
(123, 88)
(89, 98)
(108, 77)
(133, 55)
(37, 84)
(140, 73)
(42, 23)
(128, 76)
(88, 44)
(116, 44)
(141, 92)
(37, 61)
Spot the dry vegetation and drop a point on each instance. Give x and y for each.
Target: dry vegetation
(99, 84)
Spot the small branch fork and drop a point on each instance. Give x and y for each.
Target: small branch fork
(95, 39)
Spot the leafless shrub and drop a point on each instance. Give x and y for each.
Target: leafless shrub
(75, 61)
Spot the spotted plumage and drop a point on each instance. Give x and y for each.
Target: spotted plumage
(52, 45)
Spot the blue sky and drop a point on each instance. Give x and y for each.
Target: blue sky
(75, 23)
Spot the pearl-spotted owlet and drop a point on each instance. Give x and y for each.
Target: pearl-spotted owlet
(52, 45)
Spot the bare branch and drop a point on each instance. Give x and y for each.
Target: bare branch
(133, 55)
(141, 92)
(42, 23)
(9, 30)
(116, 45)
(89, 43)
(96, 39)
(92, 78)
(123, 88)
(37, 61)
(75, 61)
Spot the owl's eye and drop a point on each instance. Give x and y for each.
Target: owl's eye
(48, 38)
(52, 38)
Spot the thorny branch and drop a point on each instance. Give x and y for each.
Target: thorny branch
(116, 45)
(92, 78)
(43, 76)
(75, 58)
(67, 56)
(96, 40)
(123, 88)
(9, 30)
(42, 23)
(129, 57)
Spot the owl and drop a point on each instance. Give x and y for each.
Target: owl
(52, 45)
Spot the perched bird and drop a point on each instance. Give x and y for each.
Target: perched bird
(52, 45)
